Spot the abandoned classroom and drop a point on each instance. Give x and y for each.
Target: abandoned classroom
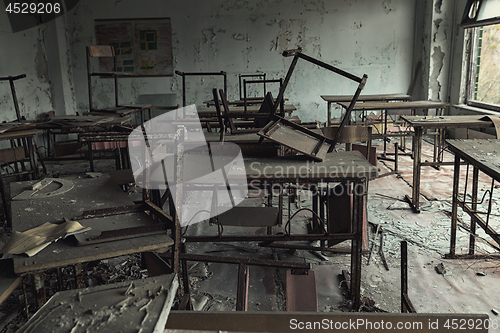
(236, 165)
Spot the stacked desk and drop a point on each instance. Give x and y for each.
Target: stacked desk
(420, 124)
(385, 107)
(330, 99)
(124, 111)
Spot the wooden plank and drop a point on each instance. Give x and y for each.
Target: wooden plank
(279, 321)
(9, 155)
(301, 294)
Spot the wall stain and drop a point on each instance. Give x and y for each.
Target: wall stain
(241, 37)
(437, 6)
(386, 4)
(210, 34)
(314, 5)
(291, 35)
(437, 23)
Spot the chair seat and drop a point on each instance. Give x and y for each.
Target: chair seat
(250, 217)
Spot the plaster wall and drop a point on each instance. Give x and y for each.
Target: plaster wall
(244, 37)
(24, 53)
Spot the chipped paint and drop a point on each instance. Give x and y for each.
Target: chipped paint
(291, 35)
(241, 37)
(435, 85)
(386, 4)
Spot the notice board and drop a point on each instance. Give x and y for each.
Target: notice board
(143, 46)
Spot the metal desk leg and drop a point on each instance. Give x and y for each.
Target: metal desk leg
(242, 293)
(39, 289)
(5, 202)
(357, 245)
(472, 239)
(456, 177)
(329, 115)
(384, 112)
(91, 157)
(414, 201)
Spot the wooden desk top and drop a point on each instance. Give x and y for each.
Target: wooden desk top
(87, 194)
(366, 98)
(482, 153)
(449, 121)
(74, 123)
(210, 110)
(19, 134)
(396, 105)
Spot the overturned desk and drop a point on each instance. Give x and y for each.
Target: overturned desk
(420, 124)
(83, 194)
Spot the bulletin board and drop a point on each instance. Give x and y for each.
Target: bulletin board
(143, 47)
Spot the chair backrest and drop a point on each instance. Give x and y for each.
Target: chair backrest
(266, 108)
(225, 105)
(100, 51)
(221, 119)
(242, 85)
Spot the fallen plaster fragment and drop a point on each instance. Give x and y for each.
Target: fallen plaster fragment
(495, 312)
(440, 269)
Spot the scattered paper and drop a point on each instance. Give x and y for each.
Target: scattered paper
(34, 240)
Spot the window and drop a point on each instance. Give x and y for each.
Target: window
(484, 69)
(481, 18)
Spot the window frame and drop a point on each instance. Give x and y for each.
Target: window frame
(472, 49)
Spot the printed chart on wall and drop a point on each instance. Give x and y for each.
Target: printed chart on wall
(142, 46)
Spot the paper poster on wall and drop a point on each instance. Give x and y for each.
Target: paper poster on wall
(142, 46)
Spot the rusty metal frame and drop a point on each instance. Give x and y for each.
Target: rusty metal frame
(184, 74)
(240, 76)
(11, 80)
(276, 123)
(297, 53)
(406, 304)
(264, 81)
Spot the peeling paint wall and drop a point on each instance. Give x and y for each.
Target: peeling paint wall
(25, 53)
(437, 51)
(244, 37)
